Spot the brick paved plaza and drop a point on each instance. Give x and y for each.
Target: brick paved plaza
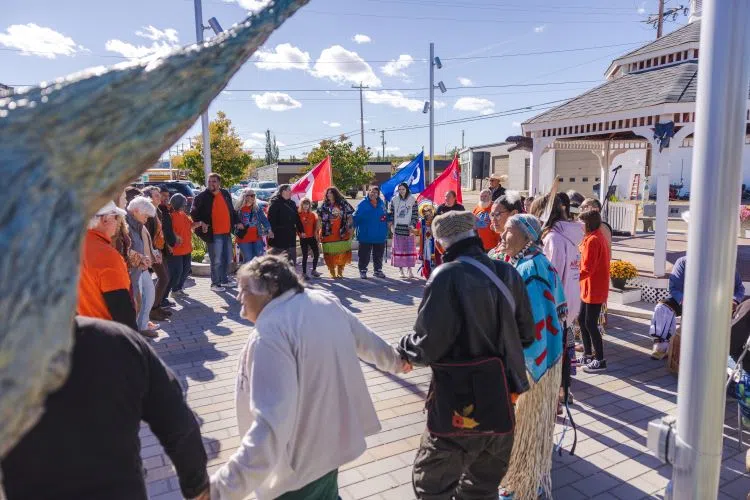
(612, 410)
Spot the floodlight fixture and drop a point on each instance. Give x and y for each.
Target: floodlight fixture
(426, 107)
(442, 88)
(438, 63)
(215, 26)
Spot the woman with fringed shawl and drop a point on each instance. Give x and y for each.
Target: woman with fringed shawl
(531, 458)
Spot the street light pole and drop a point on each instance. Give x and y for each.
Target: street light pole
(432, 112)
(721, 107)
(204, 116)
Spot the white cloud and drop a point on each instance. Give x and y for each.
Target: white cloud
(251, 5)
(251, 144)
(276, 101)
(396, 67)
(341, 65)
(516, 124)
(284, 56)
(465, 82)
(483, 106)
(392, 149)
(280, 144)
(358, 38)
(32, 39)
(540, 28)
(258, 135)
(642, 8)
(331, 124)
(394, 99)
(162, 42)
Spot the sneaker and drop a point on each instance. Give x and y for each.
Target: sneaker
(158, 315)
(659, 350)
(230, 284)
(411, 273)
(150, 334)
(166, 303)
(179, 293)
(583, 360)
(379, 274)
(217, 288)
(401, 270)
(315, 274)
(595, 366)
(363, 275)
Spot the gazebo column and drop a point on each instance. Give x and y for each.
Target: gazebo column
(661, 166)
(535, 165)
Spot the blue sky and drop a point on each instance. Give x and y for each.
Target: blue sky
(299, 86)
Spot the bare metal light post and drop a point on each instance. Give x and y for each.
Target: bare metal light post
(214, 24)
(430, 105)
(724, 70)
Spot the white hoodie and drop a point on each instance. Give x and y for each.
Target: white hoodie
(303, 408)
(561, 248)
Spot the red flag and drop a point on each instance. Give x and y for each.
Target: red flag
(449, 180)
(315, 183)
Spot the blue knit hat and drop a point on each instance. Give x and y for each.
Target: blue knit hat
(529, 224)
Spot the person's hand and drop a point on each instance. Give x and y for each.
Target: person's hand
(239, 225)
(178, 239)
(406, 367)
(204, 226)
(270, 234)
(146, 261)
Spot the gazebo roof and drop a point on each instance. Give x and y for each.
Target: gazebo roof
(688, 33)
(666, 85)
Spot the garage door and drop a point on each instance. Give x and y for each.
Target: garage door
(577, 170)
(501, 164)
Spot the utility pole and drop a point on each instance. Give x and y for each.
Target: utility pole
(432, 112)
(382, 141)
(361, 111)
(660, 25)
(463, 133)
(204, 116)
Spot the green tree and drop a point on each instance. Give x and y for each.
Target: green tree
(228, 159)
(272, 150)
(347, 163)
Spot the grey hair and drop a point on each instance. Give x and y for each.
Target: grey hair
(488, 191)
(269, 275)
(143, 205)
(453, 239)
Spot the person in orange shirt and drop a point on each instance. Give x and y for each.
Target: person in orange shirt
(104, 285)
(308, 238)
(595, 257)
(256, 225)
(179, 259)
(214, 209)
(482, 213)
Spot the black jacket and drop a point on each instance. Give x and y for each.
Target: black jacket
(285, 223)
(86, 445)
(497, 193)
(462, 311)
(444, 209)
(202, 208)
(170, 239)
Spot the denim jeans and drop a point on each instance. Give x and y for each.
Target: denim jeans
(376, 250)
(220, 254)
(179, 267)
(148, 294)
(251, 250)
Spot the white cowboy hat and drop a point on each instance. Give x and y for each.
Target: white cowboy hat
(499, 177)
(111, 209)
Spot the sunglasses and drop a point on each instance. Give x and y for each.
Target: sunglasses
(249, 196)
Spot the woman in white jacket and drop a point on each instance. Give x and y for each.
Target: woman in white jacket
(302, 403)
(561, 238)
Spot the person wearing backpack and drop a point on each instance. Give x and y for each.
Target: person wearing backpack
(473, 324)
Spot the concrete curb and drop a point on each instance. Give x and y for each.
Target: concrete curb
(642, 310)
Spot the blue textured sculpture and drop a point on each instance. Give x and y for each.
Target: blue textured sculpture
(65, 149)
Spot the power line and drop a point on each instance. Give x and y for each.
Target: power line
(373, 61)
(562, 9)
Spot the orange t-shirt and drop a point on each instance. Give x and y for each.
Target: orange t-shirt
(309, 221)
(182, 225)
(251, 236)
(220, 219)
(489, 237)
(102, 270)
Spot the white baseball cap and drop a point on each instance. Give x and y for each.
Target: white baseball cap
(111, 209)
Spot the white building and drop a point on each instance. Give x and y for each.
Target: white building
(642, 118)
(514, 164)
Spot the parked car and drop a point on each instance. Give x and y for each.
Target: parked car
(266, 189)
(185, 188)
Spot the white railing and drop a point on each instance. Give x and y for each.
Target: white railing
(622, 216)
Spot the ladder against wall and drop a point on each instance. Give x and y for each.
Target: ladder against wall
(635, 187)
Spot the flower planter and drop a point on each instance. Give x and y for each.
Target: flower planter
(619, 283)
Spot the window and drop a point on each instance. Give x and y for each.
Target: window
(561, 179)
(648, 63)
(650, 120)
(696, 53)
(643, 121)
(679, 56)
(671, 57)
(663, 59)
(596, 179)
(572, 179)
(585, 179)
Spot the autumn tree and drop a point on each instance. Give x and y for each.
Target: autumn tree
(347, 163)
(228, 159)
(272, 150)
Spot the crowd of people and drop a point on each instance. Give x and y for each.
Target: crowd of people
(506, 284)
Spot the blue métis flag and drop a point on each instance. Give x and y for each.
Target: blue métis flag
(412, 174)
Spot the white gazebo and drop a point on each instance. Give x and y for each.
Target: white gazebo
(640, 120)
